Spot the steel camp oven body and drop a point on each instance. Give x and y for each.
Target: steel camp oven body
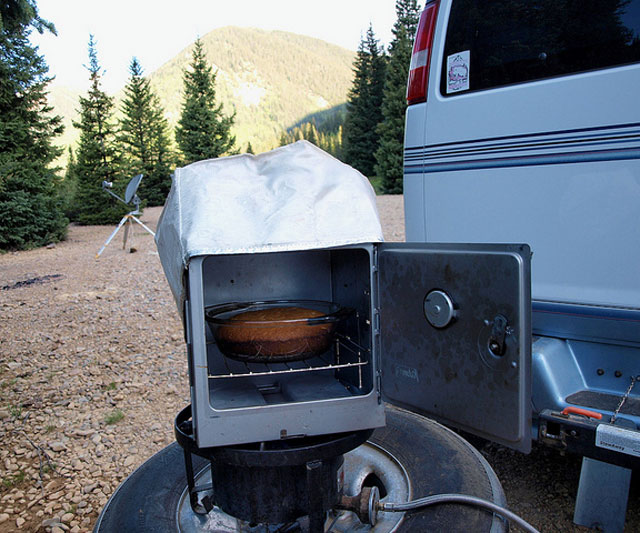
(443, 330)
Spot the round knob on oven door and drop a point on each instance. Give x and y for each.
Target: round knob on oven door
(439, 309)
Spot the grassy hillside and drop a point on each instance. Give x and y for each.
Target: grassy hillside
(272, 79)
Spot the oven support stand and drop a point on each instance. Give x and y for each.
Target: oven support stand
(193, 495)
(311, 466)
(314, 490)
(206, 505)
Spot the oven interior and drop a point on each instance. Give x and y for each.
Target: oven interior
(345, 370)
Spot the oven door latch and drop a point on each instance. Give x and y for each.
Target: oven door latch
(499, 331)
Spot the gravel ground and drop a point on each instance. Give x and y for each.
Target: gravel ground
(93, 371)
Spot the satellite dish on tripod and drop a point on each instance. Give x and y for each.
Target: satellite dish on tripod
(130, 198)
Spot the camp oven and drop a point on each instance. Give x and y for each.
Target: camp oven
(424, 326)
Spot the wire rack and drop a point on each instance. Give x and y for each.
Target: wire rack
(343, 343)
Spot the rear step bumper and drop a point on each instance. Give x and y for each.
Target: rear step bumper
(607, 402)
(586, 374)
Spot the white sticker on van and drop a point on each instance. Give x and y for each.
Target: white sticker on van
(458, 72)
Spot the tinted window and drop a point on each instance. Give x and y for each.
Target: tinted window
(499, 42)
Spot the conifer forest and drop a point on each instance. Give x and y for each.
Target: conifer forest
(52, 167)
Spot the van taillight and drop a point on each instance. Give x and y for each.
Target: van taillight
(419, 69)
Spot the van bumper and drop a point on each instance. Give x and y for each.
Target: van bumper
(584, 436)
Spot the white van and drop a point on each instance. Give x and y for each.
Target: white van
(523, 125)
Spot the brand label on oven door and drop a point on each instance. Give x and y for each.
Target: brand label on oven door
(407, 372)
(618, 439)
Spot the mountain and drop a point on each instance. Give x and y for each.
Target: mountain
(271, 79)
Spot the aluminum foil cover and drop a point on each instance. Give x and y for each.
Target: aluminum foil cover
(296, 197)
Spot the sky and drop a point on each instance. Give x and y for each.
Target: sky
(156, 30)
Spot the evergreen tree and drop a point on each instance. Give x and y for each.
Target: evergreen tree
(203, 132)
(364, 106)
(97, 159)
(324, 129)
(336, 148)
(249, 149)
(67, 188)
(17, 16)
(144, 137)
(389, 159)
(311, 134)
(30, 208)
(330, 140)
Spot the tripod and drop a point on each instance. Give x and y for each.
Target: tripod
(127, 220)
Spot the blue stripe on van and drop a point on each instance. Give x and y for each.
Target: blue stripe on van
(542, 144)
(631, 127)
(609, 143)
(608, 313)
(522, 161)
(586, 323)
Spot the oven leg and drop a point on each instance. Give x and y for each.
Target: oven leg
(315, 497)
(191, 482)
(193, 491)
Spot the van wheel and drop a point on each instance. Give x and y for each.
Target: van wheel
(409, 458)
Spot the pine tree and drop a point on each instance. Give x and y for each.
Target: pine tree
(17, 16)
(68, 185)
(144, 137)
(389, 158)
(203, 132)
(97, 159)
(328, 136)
(30, 208)
(249, 149)
(336, 148)
(364, 106)
(311, 133)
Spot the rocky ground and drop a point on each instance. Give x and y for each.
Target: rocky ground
(93, 371)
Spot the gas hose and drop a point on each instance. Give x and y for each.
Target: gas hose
(457, 498)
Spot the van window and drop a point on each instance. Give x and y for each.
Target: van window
(491, 43)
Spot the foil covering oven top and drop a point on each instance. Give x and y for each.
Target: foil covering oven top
(296, 197)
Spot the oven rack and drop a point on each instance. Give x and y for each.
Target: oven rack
(343, 342)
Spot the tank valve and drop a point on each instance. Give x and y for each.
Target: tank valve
(365, 505)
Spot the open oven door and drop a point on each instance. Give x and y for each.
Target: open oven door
(455, 335)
